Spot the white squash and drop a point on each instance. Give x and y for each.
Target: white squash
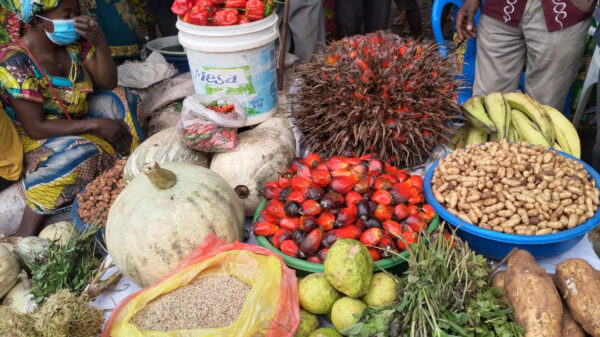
(9, 271)
(59, 231)
(164, 214)
(262, 155)
(165, 146)
(19, 298)
(32, 249)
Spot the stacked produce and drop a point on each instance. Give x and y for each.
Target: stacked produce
(446, 291)
(222, 12)
(343, 292)
(515, 188)
(536, 296)
(320, 201)
(516, 117)
(100, 194)
(376, 93)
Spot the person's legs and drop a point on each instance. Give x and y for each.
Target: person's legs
(553, 58)
(500, 57)
(31, 223)
(349, 15)
(306, 27)
(377, 15)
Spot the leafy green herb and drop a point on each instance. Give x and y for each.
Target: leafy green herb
(446, 292)
(69, 267)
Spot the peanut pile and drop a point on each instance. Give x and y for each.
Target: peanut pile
(100, 194)
(515, 188)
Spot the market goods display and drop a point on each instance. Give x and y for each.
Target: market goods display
(9, 271)
(165, 146)
(209, 123)
(516, 117)
(262, 155)
(533, 296)
(140, 233)
(193, 306)
(32, 249)
(579, 284)
(218, 290)
(99, 195)
(316, 295)
(349, 267)
(317, 202)
(376, 93)
(222, 12)
(344, 312)
(63, 315)
(515, 188)
(445, 291)
(19, 298)
(382, 291)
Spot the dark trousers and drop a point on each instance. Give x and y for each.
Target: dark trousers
(350, 14)
(165, 19)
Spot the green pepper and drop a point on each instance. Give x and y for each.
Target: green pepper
(268, 8)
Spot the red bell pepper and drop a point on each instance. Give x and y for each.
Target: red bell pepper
(226, 17)
(206, 5)
(198, 16)
(235, 3)
(243, 19)
(180, 7)
(255, 10)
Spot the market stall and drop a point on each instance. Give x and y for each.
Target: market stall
(366, 201)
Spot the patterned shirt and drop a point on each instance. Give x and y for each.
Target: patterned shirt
(559, 14)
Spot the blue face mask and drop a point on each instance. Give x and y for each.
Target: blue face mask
(64, 31)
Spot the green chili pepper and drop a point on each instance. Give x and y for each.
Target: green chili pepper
(268, 8)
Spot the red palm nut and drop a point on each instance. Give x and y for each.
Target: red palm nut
(311, 242)
(363, 185)
(284, 181)
(382, 183)
(265, 229)
(300, 183)
(392, 229)
(314, 259)
(311, 207)
(280, 236)
(376, 166)
(348, 232)
(335, 163)
(400, 212)
(307, 223)
(407, 240)
(291, 224)
(415, 222)
(353, 197)
(271, 191)
(371, 237)
(413, 209)
(289, 247)
(383, 212)
(326, 221)
(321, 177)
(275, 208)
(401, 192)
(312, 160)
(346, 216)
(416, 182)
(343, 185)
(323, 254)
(374, 253)
(382, 197)
(427, 212)
(297, 196)
(332, 200)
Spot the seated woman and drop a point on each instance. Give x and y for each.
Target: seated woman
(69, 135)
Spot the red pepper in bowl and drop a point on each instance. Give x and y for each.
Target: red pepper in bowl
(255, 10)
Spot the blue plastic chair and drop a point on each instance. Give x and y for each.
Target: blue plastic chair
(467, 75)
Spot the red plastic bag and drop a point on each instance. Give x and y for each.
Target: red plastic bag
(210, 255)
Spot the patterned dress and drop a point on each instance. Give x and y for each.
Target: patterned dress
(58, 168)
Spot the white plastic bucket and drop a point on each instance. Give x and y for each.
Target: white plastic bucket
(237, 60)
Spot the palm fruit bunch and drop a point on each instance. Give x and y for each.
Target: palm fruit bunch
(364, 198)
(376, 93)
(518, 118)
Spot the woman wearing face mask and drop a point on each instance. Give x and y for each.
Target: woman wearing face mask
(69, 135)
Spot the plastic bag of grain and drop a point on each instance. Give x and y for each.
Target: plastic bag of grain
(220, 290)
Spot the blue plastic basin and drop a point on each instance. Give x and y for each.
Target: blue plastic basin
(497, 245)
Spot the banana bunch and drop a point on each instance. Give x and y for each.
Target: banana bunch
(516, 117)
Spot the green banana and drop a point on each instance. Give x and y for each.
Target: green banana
(558, 148)
(534, 111)
(476, 115)
(476, 136)
(566, 135)
(499, 112)
(510, 135)
(459, 139)
(527, 129)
